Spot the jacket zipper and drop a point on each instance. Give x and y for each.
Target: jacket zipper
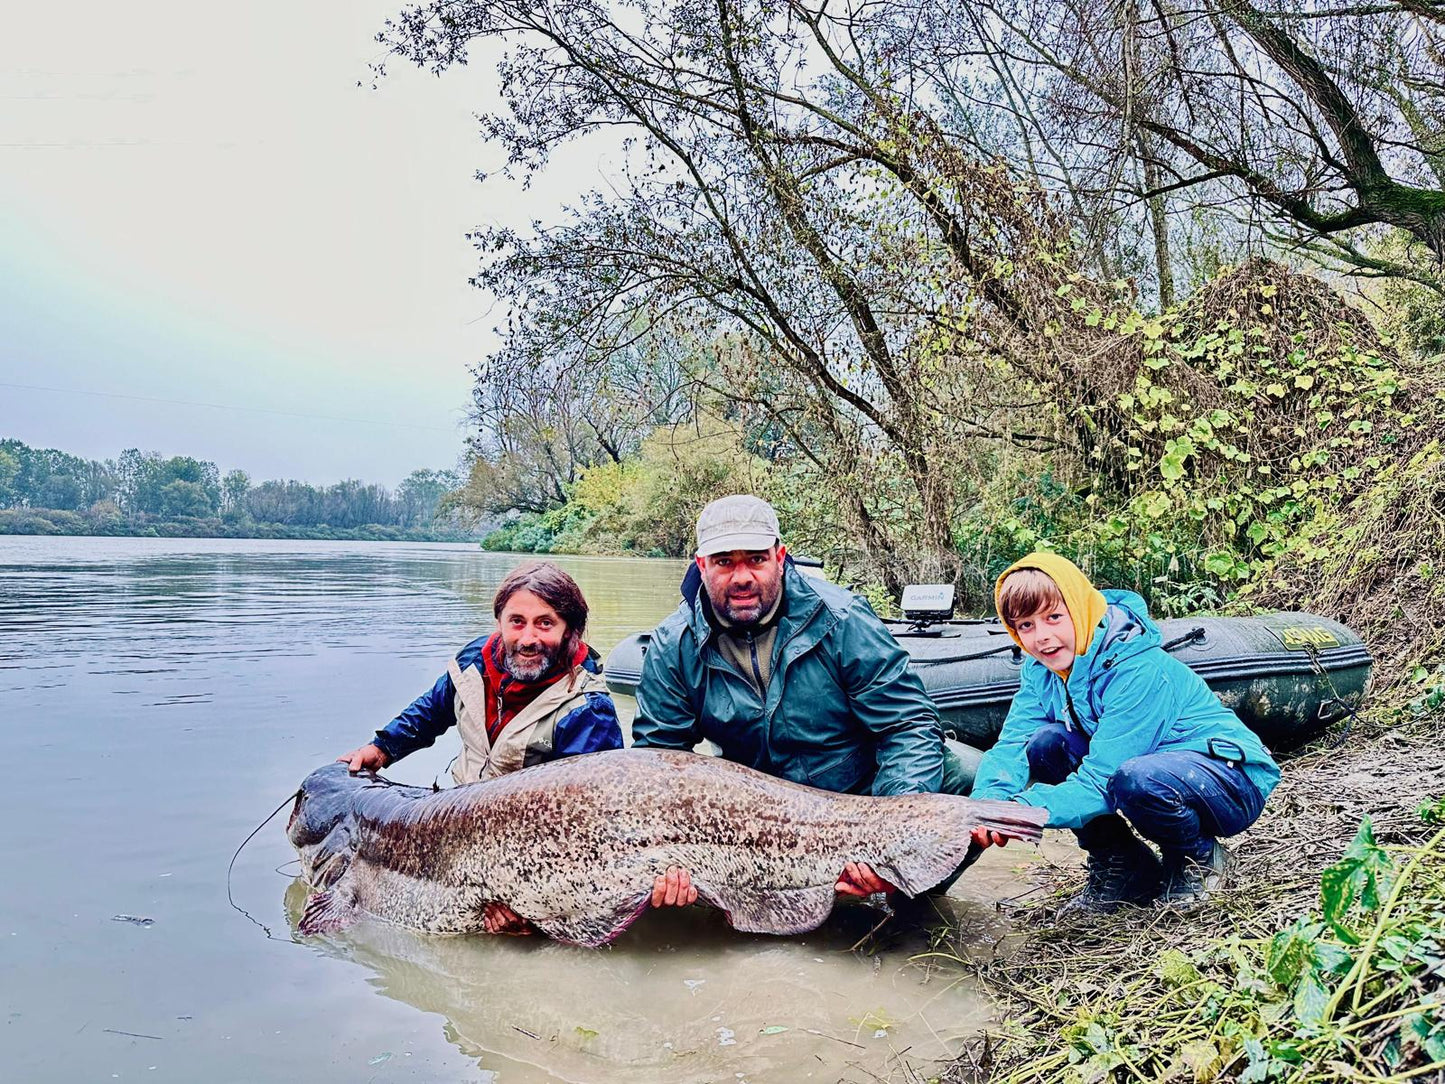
(1074, 715)
(491, 745)
(757, 671)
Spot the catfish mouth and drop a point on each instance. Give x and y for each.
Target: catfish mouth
(295, 815)
(324, 867)
(323, 803)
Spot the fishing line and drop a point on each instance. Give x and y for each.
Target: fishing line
(436, 782)
(232, 900)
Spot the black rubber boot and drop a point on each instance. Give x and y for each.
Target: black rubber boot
(1122, 868)
(1190, 876)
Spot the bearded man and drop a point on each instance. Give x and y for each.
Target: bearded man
(787, 674)
(530, 692)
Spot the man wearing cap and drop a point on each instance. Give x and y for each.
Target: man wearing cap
(787, 674)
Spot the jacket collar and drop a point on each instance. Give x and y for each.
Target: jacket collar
(1125, 630)
(800, 604)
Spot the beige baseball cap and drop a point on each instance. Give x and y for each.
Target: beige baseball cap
(738, 522)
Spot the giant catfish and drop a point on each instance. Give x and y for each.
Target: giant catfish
(574, 845)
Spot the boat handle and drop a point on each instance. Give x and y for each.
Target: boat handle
(1193, 636)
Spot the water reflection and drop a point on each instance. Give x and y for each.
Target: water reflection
(679, 997)
(153, 602)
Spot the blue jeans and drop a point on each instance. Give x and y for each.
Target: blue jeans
(1179, 800)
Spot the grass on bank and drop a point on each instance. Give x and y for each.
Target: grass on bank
(1326, 962)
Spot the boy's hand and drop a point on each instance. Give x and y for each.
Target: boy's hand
(985, 837)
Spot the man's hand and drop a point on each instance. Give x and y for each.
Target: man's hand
(673, 889)
(368, 758)
(859, 879)
(499, 918)
(985, 837)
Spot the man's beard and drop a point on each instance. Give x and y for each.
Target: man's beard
(530, 667)
(752, 612)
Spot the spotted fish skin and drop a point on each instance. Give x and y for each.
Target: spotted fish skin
(575, 844)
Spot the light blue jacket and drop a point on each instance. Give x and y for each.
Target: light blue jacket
(1130, 698)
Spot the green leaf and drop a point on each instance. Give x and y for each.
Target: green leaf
(1154, 505)
(1332, 959)
(1219, 564)
(1356, 880)
(773, 1029)
(1175, 968)
(1257, 1070)
(1391, 1052)
(1435, 1047)
(1096, 1037)
(1286, 1050)
(1396, 946)
(1310, 998)
(1289, 952)
(1431, 812)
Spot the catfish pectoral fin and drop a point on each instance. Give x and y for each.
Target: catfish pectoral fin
(329, 911)
(771, 910)
(598, 924)
(925, 863)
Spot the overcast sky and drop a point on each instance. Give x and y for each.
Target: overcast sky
(214, 243)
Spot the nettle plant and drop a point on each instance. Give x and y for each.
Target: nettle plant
(1258, 407)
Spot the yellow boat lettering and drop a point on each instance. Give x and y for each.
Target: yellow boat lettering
(1302, 636)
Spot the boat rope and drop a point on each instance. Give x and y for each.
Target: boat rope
(970, 658)
(1189, 637)
(264, 928)
(1351, 710)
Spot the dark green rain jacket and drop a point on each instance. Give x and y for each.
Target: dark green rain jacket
(842, 712)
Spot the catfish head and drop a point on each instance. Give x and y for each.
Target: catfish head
(321, 822)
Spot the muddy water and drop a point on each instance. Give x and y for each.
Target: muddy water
(159, 697)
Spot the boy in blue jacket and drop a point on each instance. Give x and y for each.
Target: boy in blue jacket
(1107, 723)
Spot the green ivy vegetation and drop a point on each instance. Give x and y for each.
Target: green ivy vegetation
(1229, 439)
(1267, 448)
(1349, 991)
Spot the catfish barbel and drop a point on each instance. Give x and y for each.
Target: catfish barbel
(574, 845)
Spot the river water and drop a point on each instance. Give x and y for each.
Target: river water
(158, 697)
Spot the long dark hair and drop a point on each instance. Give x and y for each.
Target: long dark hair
(554, 587)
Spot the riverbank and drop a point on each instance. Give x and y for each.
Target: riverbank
(1324, 961)
(49, 521)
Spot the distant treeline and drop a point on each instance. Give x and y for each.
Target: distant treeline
(46, 491)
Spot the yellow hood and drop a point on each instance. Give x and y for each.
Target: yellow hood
(1086, 604)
